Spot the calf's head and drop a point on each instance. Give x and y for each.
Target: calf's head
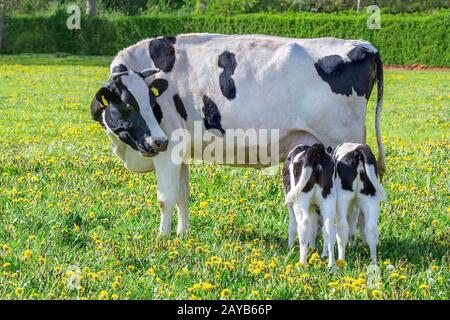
(124, 107)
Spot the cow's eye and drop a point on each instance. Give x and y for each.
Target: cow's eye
(130, 107)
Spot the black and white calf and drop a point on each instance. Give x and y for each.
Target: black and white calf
(359, 194)
(308, 180)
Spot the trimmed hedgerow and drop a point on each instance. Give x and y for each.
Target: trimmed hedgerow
(402, 39)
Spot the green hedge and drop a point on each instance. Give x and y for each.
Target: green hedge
(402, 39)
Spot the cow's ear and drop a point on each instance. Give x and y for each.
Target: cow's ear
(100, 102)
(158, 86)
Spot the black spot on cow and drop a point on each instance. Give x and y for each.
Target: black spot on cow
(157, 112)
(119, 68)
(162, 53)
(358, 74)
(227, 61)
(170, 39)
(179, 106)
(212, 115)
(319, 161)
(160, 84)
(347, 169)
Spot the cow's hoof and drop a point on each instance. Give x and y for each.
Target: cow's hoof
(161, 240)
(184, 234)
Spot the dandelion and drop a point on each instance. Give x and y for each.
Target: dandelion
(186, 271)
(19, 291)
(377, 294)
(76, 228)
(204, 204)
(435, 268)
(115, 296)
(91, 215)
(340, 263)
(225, 293)
(424, 287)
(207, 286)
(308, 288)
(6, 265)
(27, 254)
(255, 293)
(115, 285)
(103, 295)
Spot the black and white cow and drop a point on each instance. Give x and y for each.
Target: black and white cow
(308, 175)
(312, 91)
(359, 194)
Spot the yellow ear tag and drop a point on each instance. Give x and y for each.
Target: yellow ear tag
(155, 91)
(104, 101)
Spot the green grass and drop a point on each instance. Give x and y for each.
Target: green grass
(75, 224)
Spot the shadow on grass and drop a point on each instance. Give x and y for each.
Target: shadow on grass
(413, 250)
(55, 59)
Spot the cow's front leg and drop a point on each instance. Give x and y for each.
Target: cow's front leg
(183, 200)
(168, 175)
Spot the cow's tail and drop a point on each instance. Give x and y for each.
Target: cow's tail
(293, 194)
(380, 86)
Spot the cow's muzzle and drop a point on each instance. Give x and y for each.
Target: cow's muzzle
(151, 147)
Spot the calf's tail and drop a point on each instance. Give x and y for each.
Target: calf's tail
(296, 189)
(364, 164)
(381, 163)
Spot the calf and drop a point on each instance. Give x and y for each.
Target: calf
(358, 190)
(308, 180)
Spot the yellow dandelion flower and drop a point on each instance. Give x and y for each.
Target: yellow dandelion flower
(91, 215)
(225, 293)
(76, 228)
(377, 294)
(424, 287)
(207, 286)
(308, 288)
(150, 272)
(186, 271)
(27, 254)
(115, 285)
(19, 291)
(340, 263)
(435, 268)
(103, 295)
(255, 293)
(115, 296)
(204, 204)
(6, 265)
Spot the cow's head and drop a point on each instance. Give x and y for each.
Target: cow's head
(124, 107)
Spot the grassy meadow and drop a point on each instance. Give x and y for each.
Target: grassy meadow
(74, 224)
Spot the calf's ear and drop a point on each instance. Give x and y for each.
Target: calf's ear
(100, 102)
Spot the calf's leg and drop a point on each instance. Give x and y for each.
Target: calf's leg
(370, 209)
(342, 232)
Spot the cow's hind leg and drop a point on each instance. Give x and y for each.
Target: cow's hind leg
(292, 229)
